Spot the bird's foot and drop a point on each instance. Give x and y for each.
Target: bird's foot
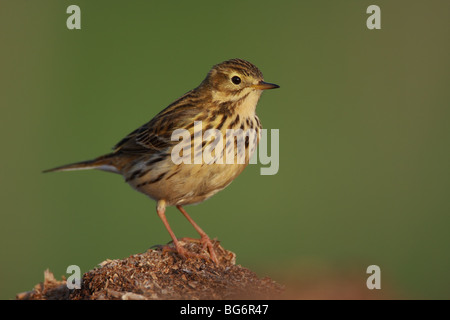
(207, 243)
(178, 249)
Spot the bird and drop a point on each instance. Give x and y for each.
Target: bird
(157, 165)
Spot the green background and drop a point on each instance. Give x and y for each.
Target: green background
(364, 136)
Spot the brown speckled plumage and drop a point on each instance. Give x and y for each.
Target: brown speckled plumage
(144, 156)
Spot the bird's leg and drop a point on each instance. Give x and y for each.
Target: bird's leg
(161, 210)
(204, 237)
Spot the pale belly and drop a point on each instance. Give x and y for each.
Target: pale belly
(187, 183)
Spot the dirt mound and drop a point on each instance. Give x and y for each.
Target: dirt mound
(161, 275)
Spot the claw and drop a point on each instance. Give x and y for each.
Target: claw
(182, 252)
(207, 243)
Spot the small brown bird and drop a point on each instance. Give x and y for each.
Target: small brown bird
(226, 99)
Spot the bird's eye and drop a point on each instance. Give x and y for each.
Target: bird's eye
(236, 80)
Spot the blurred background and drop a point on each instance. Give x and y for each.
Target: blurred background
(364, 138)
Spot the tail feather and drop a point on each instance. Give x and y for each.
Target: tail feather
(104, 163)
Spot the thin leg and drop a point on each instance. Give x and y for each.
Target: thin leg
(161, 210)
(204, 237)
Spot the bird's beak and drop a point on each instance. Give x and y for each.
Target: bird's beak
(265, 85)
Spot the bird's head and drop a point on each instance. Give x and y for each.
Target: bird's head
(234, 80)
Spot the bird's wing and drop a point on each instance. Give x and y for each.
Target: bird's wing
(155, 136)
(142, 140)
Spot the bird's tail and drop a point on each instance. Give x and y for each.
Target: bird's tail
(105, 163)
